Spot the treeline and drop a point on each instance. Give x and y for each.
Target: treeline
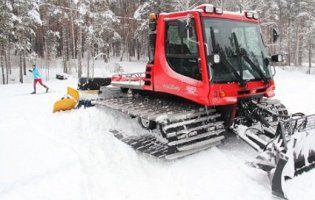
(80, 31)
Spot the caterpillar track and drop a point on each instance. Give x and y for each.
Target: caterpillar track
(185, 128)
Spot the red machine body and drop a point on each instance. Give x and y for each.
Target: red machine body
(160, 77)
(219, 61)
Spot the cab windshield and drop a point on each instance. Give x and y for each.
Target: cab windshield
(241, 49)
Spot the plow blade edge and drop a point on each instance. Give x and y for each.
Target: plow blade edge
(292, 151)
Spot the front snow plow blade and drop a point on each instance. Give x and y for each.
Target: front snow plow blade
(69, 102)
(291, 153)
(64, 104)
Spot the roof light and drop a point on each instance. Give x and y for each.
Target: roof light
(256, 16)
(252, 15)
(249, 14)
(209, 8)
(153, 16)
(218, 10)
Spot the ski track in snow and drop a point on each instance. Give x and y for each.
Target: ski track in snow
(72, 155)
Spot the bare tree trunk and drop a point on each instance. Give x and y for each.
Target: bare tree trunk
(9, 59)
(310, 54)
(300, 51)
(2, 64)
(93, 55)
(64, 43)
(79, 52)
(21, 67)
(297, 44)
(68, 50)
(106, 54)
(289, 42)
(72, 32)
(115, 49)
(125, 47)
(138, 50)
(64, 63)
(6, 65)
(280, 26)
(24, 64)
(88, 57)
(47, 58)
(131, 48)
(46, 44)
(73, 50)
(48, 68)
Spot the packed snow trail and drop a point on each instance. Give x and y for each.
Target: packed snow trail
(72, 155)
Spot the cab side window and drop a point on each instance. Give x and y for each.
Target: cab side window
(182, 48)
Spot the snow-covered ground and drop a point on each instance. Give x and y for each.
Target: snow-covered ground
(71, 155)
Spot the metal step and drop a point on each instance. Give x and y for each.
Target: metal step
(196, 120)
(159, 117)
(188, 114)
(182, 154)
(156, 114)
(187, 131)
(148, 144)
(212, 141)
(197, 137)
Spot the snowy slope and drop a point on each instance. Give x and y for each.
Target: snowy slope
(71, 155)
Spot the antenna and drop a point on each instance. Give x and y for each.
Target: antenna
(241, 7)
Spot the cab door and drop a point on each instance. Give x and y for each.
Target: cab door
(180, 59)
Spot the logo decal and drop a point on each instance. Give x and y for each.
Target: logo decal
(171, 87)
(191, 90)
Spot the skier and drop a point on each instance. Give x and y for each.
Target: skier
(37, 78)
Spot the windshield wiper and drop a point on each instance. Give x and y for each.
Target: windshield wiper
(254, 66)
(241, 52)
(238, 53)
(218, 49)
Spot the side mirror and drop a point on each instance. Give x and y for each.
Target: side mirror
(277, 58)
(207, 49)
(215, 58)
(275, 35)
(273, 71)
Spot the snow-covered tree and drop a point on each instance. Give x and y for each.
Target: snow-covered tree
(73, 29)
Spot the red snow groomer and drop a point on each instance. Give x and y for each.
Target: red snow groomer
(208, 74)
